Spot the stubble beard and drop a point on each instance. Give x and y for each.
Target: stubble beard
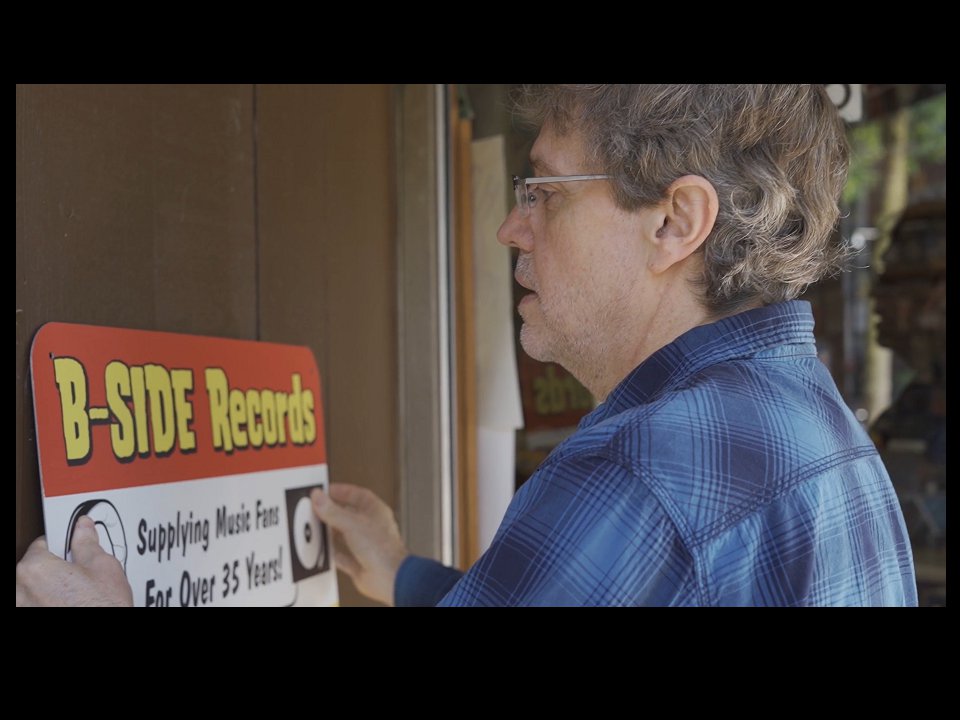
(580, 354)
(577, 330)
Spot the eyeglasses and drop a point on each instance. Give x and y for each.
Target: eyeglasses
(527, 198)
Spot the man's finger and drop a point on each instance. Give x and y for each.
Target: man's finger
(86, 543)
(332, 513)
(352, 495)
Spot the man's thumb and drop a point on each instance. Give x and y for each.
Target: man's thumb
(333, 514)
(86, 543)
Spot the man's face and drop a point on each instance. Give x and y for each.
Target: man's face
(911, 317)
(582, 258)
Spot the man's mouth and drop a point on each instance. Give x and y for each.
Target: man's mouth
(522, 273)
(525, 285)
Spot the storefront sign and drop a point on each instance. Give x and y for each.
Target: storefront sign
(194, 456)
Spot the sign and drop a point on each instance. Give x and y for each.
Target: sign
(848, 99)
(552, 397)
(195, 458)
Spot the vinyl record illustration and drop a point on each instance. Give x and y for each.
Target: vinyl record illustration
(109, 528)
(308, 536)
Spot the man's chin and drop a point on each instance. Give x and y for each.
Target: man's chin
(534, 344)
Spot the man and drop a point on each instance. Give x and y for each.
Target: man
(910, 299)
(663, 240)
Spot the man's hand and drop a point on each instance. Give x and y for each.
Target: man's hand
(368, 529)
(94, 578)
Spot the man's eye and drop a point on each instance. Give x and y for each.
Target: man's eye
(539, 194)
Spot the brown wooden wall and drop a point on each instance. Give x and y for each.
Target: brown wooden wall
(258, 212)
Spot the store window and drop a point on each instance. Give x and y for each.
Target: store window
(892, 367)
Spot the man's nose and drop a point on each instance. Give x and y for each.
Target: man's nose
(516, 231)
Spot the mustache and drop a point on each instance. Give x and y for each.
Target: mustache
(523, 273)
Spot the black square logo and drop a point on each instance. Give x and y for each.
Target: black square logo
(309, 547)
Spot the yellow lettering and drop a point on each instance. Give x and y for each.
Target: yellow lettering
(238, 418)
(122, 435)
(72, 384)
(138, 388)
(216, 381)
(281, 401)
(269, 418)
(182, 384)
(160, 393)
(309, 421)
(253, 417)
(254, 428)
(540, 396)
(555, 391)
(296, 411)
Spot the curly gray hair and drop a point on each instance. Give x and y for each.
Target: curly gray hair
(776, 154)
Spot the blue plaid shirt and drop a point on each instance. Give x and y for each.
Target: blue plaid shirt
(725, 470)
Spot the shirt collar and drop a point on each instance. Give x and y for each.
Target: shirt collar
(741, 335)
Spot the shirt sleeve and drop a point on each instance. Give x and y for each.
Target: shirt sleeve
(422, 582)
(582, 531)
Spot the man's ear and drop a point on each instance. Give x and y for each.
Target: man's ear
(686, 216)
